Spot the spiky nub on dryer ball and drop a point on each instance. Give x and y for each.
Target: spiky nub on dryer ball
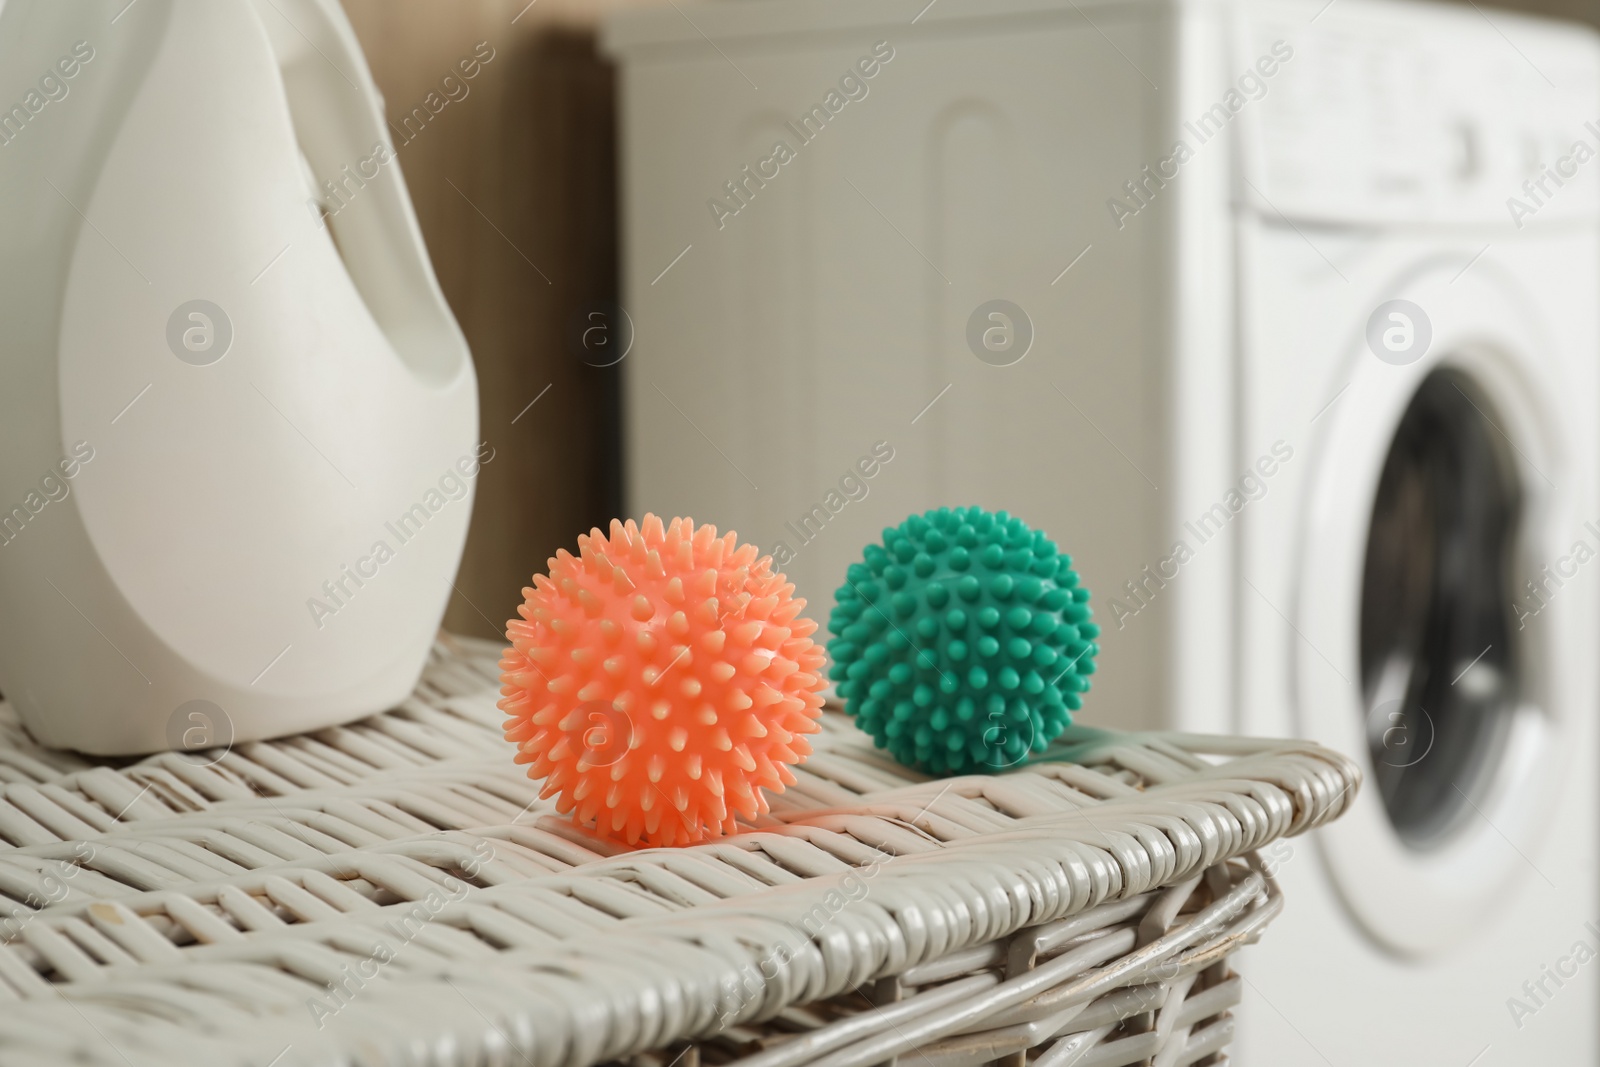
(963, 641)
(658, 680)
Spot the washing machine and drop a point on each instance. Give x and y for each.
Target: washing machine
(1282, 319)
(1415, 588)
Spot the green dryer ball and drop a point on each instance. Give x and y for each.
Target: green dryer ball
(962, 642)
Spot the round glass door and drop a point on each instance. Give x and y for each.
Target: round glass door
(1438, 646)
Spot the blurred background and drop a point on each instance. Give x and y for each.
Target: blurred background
(516, 190)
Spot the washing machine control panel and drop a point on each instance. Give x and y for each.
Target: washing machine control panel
(1372, 121)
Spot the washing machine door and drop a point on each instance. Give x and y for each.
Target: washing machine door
(1433, 500)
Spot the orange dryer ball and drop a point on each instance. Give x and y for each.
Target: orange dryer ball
(659, 679)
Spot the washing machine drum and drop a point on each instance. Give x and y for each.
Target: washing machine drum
(1438, 651)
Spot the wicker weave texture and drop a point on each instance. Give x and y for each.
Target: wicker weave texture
(393, 892)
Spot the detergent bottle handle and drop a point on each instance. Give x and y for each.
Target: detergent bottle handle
(361, 201)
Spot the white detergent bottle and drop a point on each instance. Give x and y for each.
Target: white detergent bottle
(238, 423)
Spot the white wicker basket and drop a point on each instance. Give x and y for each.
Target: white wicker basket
(393, 892)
